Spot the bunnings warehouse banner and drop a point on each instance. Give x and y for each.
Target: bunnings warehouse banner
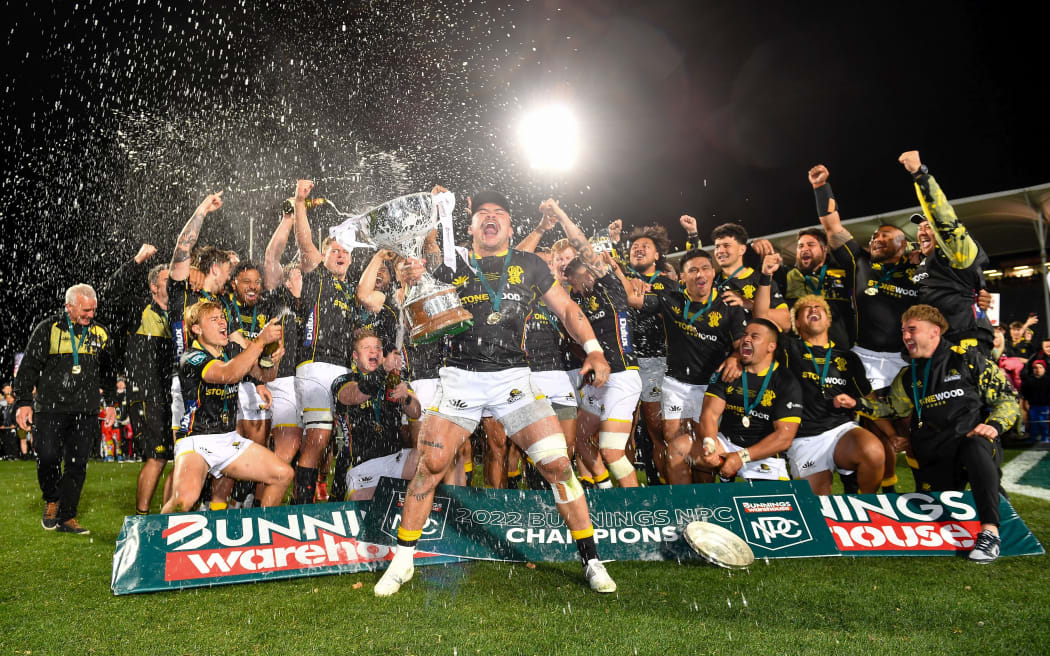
(779, 519)
(162, 552)
(919, 524)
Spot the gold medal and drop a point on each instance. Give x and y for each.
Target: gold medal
(871, 291)
(379, 428)
(76, 369)
(746, 422)
(493, 318)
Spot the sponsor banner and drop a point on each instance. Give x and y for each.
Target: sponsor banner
(919, 524)
(779, 519)
(186, 550)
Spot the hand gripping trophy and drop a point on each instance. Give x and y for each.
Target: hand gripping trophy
(431, 308)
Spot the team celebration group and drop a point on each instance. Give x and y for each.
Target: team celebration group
(251, 378)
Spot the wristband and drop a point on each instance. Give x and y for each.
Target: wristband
(765, 280)
(693, 237)
(825, 200)
(923, 170)
(745, 456)
(592, 346)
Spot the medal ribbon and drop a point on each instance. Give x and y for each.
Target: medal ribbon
(641, 275)
(761, 390)
(725, 281)
(74, 343)
(236, 313)
(495, 296)
(820, 281)
(701, 311)
(925, 386)
(827, 362)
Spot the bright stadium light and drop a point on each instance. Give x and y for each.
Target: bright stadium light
(550, 138)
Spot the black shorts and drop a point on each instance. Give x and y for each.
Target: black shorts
(152, 426)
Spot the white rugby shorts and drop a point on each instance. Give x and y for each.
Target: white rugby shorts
(249, 403)
(682, 400)
(218, 449)
(313, 390)
(616, 399)
(880, 368)
(652, 373)
(285, 409)
(771, 468)
(556, 386)
(816, 453)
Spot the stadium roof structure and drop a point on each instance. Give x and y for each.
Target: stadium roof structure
(1004, 223)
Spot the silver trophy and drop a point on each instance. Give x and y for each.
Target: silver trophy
(401, 225)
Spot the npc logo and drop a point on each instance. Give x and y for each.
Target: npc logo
(433, 529)
(772, 522)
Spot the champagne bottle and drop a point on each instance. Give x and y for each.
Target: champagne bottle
(288, 206)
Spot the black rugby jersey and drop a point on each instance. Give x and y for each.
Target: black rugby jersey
(244, 319)
(697, 347)
(834, 283)
(606, 309)
(650, 337)
(329, 317)
(748, 285)
(879, 315)
(384, 323)
(782, 401)
(845, 375)
(546, 343)
(180, 298)
(963, 389)
(210, 408)
(496, 346)
(950, 277)
(280, 303)
(370, 436)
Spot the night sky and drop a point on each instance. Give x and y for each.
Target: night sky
(120, 116)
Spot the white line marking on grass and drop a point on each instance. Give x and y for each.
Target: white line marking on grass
(1018, 467)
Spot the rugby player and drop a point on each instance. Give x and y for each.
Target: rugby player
(702, 331)
(210, 371)
(285, 284)
(329, 317)
(609, 410)
(751, 421)
(884, 289)
(959, 404)
(149, 362)
(487, 369)
(817, 272)
(648, 246)
(738, 282)
(369, 411)
(950, 276)
(833, 381)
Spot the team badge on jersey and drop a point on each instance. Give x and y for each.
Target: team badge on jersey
(514, 274)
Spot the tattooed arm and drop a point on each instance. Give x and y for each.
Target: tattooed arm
(576, 238)
(180, 259)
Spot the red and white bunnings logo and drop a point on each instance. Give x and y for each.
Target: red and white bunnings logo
(913, 522)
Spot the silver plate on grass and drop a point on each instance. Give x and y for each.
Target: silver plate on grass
(718, 546)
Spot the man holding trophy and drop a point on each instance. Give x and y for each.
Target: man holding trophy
(487, 369)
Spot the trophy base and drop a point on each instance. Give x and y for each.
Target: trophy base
(436, 315)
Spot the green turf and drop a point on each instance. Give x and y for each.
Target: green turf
(55, 599)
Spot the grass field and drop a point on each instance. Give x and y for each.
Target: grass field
(55, 599)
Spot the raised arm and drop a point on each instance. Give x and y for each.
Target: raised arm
(273, 274)
(952, 236)
(310, 256)
(576, 237)
(827, 207)
(692, 234)
(179, 269)
(367, 295)
(532, 240)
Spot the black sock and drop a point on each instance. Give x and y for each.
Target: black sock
(586, 547)
(889, 489)
(305, 485)
(514, 482)
(850, 485)
(241, 490)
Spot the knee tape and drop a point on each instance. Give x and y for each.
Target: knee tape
(568, 490)
(548, 449)
(317, 418)
(621, 468)
(514, 422)
(611, 440)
